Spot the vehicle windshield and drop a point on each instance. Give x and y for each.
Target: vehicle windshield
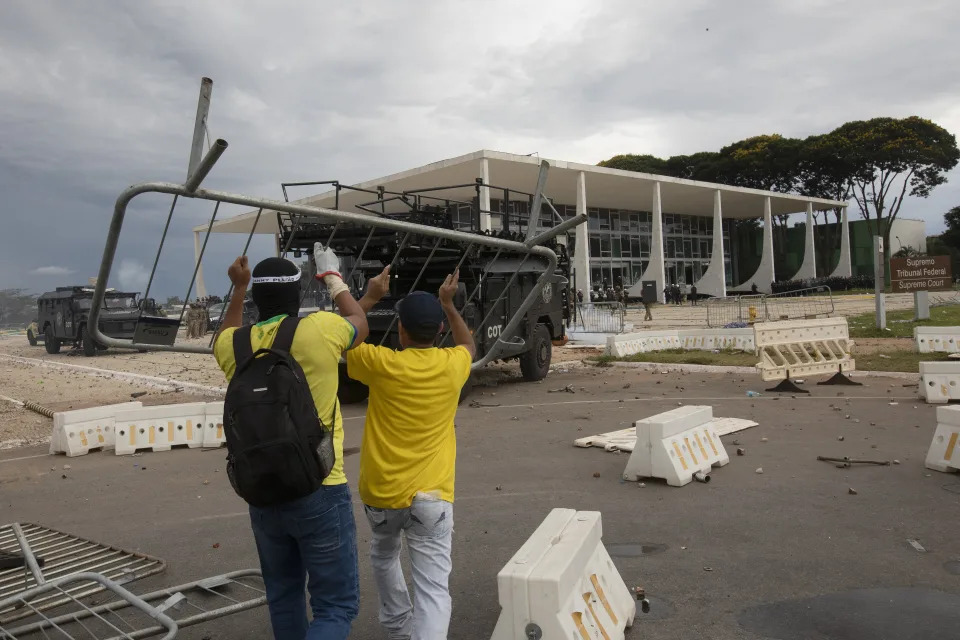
(119, 302)
(215, 309)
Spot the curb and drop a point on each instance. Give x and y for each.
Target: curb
(709, 368)
(153, 381)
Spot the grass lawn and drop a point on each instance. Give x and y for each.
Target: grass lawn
(907, 361)
(901, 323)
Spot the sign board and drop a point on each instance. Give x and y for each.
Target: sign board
(926, 273)
(152, 330)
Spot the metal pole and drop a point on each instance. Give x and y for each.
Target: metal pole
(200, 125)
(534, 220)
(28, 554)
(878, 283)
(195, 178)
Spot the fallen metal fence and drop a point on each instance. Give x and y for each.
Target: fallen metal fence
(48, 574)
(600, 317)
(450, 246)
(63, 555)
(815, 302)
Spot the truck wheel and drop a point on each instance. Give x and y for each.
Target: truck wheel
(89, 344)
(32, 339)
(51, 342)
(352, 392)
(535, 363)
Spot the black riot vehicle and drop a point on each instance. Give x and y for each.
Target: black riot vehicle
(493, 283)
(62, 317)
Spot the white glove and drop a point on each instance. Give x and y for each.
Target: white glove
(327, 262)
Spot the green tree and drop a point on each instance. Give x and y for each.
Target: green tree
(892, 159)
(825, 171)
(640, 164)
(951, 237)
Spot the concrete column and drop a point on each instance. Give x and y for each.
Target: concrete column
(485, 221)
(764, 275)
(714, 281)
(808, 269)
(581, 257)
(197, 246)
(843, 270)
(655, 268)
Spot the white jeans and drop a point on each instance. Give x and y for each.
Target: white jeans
(428, 527)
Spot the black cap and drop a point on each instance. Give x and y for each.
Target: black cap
(421, 314)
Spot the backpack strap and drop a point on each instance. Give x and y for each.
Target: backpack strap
(242, 351)
(283, 341)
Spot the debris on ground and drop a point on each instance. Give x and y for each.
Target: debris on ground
(852, 491)
(841, 438)
(567, 389)
(740, 451)
(759, 470)
(916, 545)
(596, 474)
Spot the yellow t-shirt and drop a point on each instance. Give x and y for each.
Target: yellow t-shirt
(409, 443)
(320, 340)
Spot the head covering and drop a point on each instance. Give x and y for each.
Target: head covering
(421, 315)
(276, 288)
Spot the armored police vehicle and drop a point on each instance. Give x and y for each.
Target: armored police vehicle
(493, 283)
(62, 317)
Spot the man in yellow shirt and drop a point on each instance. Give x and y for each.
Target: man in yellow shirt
(409, 453)
(311, 539)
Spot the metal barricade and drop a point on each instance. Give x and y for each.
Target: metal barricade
(815, 302)
(446, 246)
(600, 317)
(739, 309)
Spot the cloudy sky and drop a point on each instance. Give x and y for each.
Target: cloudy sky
(95, 96)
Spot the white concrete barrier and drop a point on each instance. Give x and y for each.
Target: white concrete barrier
(213, 435)
(563, 584)
(676, 445)
(940, 381)
(80, 431)
(710, 339)
(161, 427)
(944, 454)
(627, 344)
(934, 339)
(803, 347)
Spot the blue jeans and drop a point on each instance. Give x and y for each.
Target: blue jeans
(313, 540)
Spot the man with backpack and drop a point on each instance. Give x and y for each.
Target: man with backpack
(284, 438)
(409, 452)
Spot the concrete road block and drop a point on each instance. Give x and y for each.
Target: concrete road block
(944, 452)
(160, 428)
(940, 381)
(563, 584)
(80, 431)
(676, 445)
(213, 435)
(937, 339)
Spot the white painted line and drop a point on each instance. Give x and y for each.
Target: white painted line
(39, 455)
(152, 381)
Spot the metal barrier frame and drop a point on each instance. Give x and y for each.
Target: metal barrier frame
(198, 170)
(616, 309)
(763, 301)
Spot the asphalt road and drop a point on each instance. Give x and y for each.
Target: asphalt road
(746, 549)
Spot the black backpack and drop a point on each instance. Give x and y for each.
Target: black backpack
(278, 448)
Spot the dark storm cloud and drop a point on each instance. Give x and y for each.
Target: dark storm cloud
(99, 95)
